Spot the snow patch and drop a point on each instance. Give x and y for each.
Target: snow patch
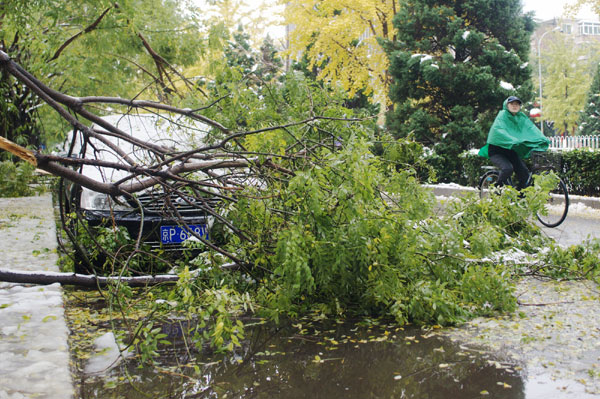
(424, 57)
(107, 355)
(580, 209)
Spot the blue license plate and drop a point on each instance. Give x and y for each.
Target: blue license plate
(178, 234)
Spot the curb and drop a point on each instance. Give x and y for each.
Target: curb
(455, 190)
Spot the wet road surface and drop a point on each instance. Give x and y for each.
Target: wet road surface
(577, 228)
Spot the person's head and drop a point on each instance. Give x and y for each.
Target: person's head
(513, 104)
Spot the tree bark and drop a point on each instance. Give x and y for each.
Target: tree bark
(91, 281)
(82, 280)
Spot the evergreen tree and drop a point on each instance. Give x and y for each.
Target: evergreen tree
(270, 63)
(589, 120)
(239, 53)
(453, 63)
(260, 66)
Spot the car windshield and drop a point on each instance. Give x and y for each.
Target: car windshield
(178, 134)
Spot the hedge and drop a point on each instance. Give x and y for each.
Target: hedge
(580, 169)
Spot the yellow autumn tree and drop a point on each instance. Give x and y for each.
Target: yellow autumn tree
(339, 37)
(566, 82)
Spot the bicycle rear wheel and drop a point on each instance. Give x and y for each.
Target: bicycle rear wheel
(556, 207)
(487, 182)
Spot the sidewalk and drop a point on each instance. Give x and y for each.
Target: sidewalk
(34, 354)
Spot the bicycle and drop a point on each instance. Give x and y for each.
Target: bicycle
(557, 204)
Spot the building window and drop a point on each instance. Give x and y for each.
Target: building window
(589, 28)
(586, 29)
(567, 28)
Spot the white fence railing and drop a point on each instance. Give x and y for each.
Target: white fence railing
(570, 142)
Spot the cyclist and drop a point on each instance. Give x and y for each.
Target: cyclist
(511, 139)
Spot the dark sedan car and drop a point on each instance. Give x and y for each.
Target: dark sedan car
(163, 219)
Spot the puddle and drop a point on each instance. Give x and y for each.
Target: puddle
(316, 360)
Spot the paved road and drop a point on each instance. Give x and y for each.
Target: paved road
(575, 229)
(582, 223)
(554, 334)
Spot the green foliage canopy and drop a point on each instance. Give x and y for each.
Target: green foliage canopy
(350, 233)
(99, 47)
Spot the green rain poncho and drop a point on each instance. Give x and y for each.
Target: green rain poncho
(515, 132)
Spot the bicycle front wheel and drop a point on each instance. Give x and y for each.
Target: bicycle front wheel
(487, 182)
(556, 207)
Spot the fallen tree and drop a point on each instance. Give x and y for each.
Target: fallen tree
(315, 220)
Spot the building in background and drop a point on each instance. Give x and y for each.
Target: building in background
(582, 31)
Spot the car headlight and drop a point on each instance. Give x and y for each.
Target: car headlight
(94, 201)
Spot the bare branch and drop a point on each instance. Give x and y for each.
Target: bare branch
(160, 63)
(13, 276)
(90, 28)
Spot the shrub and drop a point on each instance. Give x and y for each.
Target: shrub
(16, 179)
(581, 171)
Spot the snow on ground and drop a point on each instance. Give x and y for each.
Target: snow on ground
(33, 343)
(34, 361)
(577, 208)
(454, 186)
